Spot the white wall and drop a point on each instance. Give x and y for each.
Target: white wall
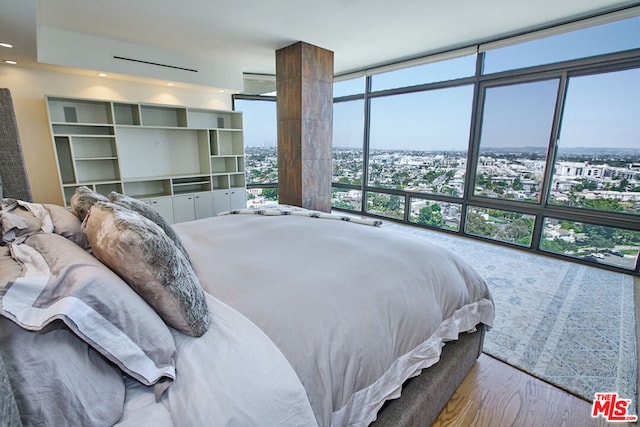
(29, 86)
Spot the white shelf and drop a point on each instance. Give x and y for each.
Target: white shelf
(126, 114)
(213, 119)
(81, 129)
(84, 111)
(157, 153)
(163, 116)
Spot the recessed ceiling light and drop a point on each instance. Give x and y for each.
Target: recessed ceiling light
(221, 90)
(102, 74)
(169, 84)
(6, 45)
(8, 61)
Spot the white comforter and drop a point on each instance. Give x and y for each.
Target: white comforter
(231, 376)
(355, 310)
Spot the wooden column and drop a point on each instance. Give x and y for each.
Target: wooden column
(304, 83)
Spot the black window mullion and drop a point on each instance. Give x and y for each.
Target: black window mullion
(474, 138)
(365, 144)
(552, 151)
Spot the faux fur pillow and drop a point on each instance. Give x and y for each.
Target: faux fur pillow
(83, 199)
(148, 212)
(146, 258)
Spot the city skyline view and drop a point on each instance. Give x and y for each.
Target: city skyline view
(420, 136)
(582, 181)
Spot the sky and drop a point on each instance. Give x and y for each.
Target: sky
(600, 110)
(614, 118)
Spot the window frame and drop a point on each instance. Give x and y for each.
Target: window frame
(472, 163)
(542, 210)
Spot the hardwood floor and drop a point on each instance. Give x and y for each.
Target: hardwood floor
(495, 394)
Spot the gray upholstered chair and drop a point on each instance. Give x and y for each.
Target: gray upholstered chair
(13, 173)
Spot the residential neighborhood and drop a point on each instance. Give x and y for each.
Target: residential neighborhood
(588, 180)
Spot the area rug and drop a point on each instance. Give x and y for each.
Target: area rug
(568, 324)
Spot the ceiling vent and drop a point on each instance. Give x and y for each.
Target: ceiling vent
(155, 63)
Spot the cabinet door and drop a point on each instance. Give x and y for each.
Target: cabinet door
(221, 201)
(164, 206)
(203, 205)
(184, 208)
(238, 198)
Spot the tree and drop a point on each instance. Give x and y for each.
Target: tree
(270, 193)
(393, 204)
(610, 205)
(586, 184)
(566, 225)
(483, 180)
(599, 236)
(622, 186)
(517, 185)
(450, 191)
(476, 224)
(627, 237)
(342, 204)
(558, 246)
(514, 231)
(431, 215)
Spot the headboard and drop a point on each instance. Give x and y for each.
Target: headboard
(13, 173)
(14, 183)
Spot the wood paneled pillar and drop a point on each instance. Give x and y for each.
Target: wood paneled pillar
(304, 83)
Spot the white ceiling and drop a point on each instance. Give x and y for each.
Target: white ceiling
(222, 40)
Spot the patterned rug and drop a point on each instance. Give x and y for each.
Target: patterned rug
(568, 324)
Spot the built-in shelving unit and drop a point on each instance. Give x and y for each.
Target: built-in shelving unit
(186, 162)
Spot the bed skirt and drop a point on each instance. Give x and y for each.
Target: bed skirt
(424, 396)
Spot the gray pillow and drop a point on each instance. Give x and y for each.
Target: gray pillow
(148, 260)
(61, 281)
(58, 379)
(83, 199)
(10, 269)
(148, 212)
(19, 218)
(67, 224)
(17, 223)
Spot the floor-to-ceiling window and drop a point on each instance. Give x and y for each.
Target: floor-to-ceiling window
(534, 144)
(532, 141)
(597, 150)
(260, 142)
(514, 139)
(348, 157)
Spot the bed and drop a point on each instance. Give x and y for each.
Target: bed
(277, 316)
